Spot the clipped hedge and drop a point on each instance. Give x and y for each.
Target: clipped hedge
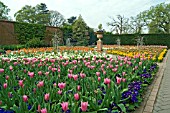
(130, 39)
(26, 31)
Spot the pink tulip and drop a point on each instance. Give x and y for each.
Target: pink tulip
(5, 85)
(64, 106)
(78, 87)
(34, 90)
(54, 84)
(104, 72)
(123, 73)
(84, 106)
(76, 96)
(10, 68)
(40, 84)
(25, 98)
(1, 70)
(39, 72)
(114, 69)
(59, 92)
(52, 60)
(99, 78)
(118, 80)
(15, 63)
(54, 69)
(75, 77)
(47, 73)
(21, 83)
(82, 75)
(107, 81)
(59, 70)
(44, 110)
(98, 74)
(7, 77)
(31, 74)
(70, 76)
(46, 96)
(123, 79)
(39, 108)
(61, 85)
(140, 63)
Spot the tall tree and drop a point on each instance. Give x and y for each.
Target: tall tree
(80, 30)
(158, 18)
(137, 24)
(120, 25)
(56, 18)
(38, 14)
(71, 20)
(4, 10)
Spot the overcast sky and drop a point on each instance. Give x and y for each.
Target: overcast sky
(93, 12)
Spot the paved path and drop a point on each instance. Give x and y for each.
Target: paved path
(162, 104)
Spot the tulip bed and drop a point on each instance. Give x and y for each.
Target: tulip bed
(155, 53)
(73, 82)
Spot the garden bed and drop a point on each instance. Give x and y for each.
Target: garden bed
(81, 82)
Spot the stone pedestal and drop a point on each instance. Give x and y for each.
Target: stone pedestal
(99, 45)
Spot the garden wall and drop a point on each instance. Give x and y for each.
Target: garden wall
(8, 35)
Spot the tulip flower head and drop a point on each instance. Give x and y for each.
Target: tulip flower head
(43, 110)
(31, 74)
(46, 96)
(84, 106)
(64, 106)
(5, 85)
(61, 85)
(25, 98)
(1, 70)
(76, 96)
(107, 81)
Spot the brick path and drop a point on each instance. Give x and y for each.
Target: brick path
(162, 104)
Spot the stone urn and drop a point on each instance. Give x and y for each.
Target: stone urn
(99, 42)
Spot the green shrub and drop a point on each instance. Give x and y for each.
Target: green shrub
(35, 42)
(11, 47)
